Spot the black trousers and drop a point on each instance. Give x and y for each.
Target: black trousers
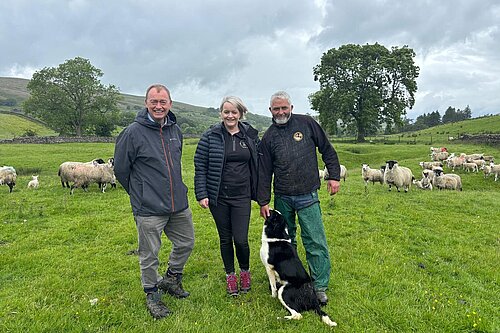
(232, 218)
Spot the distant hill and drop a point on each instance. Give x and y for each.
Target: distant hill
(192, 119)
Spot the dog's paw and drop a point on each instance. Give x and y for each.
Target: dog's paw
(328, 321)
(295, 316)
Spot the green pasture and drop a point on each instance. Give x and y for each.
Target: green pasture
(420, 261)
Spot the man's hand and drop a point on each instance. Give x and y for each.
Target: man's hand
(332, 186)
(203, 203)
(264, 211)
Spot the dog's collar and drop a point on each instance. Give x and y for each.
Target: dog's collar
(273, 240)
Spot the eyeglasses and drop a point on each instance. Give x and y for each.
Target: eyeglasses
(162, 102)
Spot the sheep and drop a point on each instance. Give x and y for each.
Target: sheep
(440, 156)
(430, 165)
(438, 149)
(447, 181)
(486, 170)
(455, 162)
(373, 175)
(8, 177)
(396, 175)
(480, 163)
(343, 172)
(426, 173)
(469, 166)
(86, 174)
(471, 157)
(423, 184)
(488, 158)
(33, 182)
(322, 174)
(495, 170)
(66, 169)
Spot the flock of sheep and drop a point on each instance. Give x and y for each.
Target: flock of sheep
(433, 175)
(79, 174)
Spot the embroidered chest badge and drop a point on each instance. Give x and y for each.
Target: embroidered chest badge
(298, 136)
(243, 145)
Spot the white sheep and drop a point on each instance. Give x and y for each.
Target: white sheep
(480, 163)
(430, 165)
(471, 157)
(371, 175)
(495, 170)
(322, 174)
(396, 175)
(66, 170)
(426, 173)
(440, 156)
(86, 174)
(33, 183)
(455, 162)
(8, 177)
(343, 172)
(470, 167)
(423, 184)
(488, 158)
(448, 181)
(486, 170)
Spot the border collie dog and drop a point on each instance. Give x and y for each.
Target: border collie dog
(287, 276)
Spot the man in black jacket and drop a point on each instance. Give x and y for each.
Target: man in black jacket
(148, 165)
(288, 150)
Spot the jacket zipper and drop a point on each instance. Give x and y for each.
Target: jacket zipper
(165, 148)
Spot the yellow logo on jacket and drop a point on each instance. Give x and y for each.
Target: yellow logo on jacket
(297, 136)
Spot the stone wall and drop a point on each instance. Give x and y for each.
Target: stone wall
(489, 139)
(58, 139)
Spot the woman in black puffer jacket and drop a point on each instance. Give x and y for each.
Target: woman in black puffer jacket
(225, 181)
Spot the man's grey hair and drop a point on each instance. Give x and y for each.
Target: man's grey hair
(280, 95)
(237, 103)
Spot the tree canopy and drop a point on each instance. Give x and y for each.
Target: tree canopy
(363, 87)
(71, 99)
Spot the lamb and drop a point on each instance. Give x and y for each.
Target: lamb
(8, 177)
(399, 176)
(430, 165)
(423, 184)
(33, 182)
(373, 175)
(480, 163)
(486, 170)
(66, 170)
(495, 170)
(343, 172)
(426, 173)
(322, 174)
(86, 174)
(488, 158)
(469, 166)
(449, 181)
(471, 157)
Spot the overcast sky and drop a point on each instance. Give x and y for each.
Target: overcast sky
(206, 49)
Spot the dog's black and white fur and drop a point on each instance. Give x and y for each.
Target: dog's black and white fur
(283, 266)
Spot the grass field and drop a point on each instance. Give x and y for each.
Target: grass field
(402, 262)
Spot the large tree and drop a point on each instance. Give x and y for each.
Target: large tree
(363, 87)
(71, 99)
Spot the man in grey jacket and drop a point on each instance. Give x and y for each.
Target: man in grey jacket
(148, 165)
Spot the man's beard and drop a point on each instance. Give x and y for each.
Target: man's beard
(282, 120)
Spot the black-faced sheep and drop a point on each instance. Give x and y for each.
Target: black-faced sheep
(399, 176)
(86, 174)
(8, 177)
(66, 170)
(423, 184)
(449, 181)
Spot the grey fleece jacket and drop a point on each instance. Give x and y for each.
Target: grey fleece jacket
(148, 165)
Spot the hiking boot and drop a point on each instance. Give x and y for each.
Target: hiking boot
(245, 281)
(172, 284)
(232, 284)
(155, 306)
(322, 298)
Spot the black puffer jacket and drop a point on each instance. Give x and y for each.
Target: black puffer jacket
(289, 152)
(209, 161)
(148, 165)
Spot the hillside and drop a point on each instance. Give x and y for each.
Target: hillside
(192, 119)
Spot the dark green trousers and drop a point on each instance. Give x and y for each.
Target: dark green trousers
(313, 237)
